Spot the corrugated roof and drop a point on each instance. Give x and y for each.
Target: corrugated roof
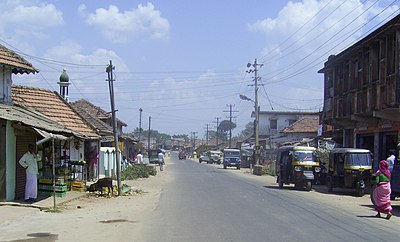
(53, 106)
(31, 118)
(15, 61)
(305, 125)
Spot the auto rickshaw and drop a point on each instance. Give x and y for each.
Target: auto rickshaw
(349, 168)
(297, 165)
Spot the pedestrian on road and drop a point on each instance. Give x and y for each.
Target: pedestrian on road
(161, 160)
(29, 162)
(382, 191)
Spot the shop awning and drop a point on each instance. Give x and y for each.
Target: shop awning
(48, 136)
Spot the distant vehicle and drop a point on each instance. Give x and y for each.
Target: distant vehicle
(214, 156)
(182, 155)
(210, 157)
(231, 158)
(153, 156)
(297, 165)
(349, 168)
(204, 158)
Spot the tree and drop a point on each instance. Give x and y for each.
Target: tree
(225, 126)
(248, 130)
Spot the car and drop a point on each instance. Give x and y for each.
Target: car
(232, 158)
(204, 158)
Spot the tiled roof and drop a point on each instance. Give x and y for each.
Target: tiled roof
(32, 118)
(94, 110)
(15, 61)
(305, 125)
(53, 106)
(92, 119)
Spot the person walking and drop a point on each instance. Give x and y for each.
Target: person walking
(382, 191)
(161, 160)
(29, 162)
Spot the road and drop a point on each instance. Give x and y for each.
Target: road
(189, 201)
(208, 203)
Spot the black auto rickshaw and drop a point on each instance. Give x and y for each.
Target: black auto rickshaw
(297, 165)
(349, 168)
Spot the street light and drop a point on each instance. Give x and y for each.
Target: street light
(140, 122)
(256, 124)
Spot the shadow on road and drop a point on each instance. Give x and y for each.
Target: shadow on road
(338, 191)
(395, 211)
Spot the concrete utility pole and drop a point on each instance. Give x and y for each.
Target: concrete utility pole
(148, 140)
(140, 122)
(256, 110)
(110, 80)
(230, 120)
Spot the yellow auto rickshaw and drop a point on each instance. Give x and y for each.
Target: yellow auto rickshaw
(297, 165)
(349, 168)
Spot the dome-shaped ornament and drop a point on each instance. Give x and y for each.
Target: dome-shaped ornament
(64, 76)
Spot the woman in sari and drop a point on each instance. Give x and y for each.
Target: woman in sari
(382, 191)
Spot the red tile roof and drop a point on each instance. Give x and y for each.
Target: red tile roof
(15, 61)
(53, 106)
(305, 125)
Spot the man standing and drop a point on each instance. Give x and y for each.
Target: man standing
(29, 162)
(140, 158)
(391, 159)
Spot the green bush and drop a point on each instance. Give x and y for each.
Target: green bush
(138, 171)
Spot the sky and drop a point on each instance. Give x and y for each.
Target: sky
(184, 63)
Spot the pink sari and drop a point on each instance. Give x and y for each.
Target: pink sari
(382, 198)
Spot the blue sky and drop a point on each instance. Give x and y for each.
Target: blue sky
(183, 62)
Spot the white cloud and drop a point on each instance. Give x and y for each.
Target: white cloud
(82, 10)
(306, 32)
(121, 26)
(70, 51)
(34, 16)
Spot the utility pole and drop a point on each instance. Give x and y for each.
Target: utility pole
(194, 140)
(148, 140)
(110, 80)
(256, 110)
(140, 122)
(230, 120)
(217, 130)
(207, 138)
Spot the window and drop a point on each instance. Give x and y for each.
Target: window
(292, 121)
(273, 124)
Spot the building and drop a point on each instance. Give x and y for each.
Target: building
(362, 92)
(273, 123)
(305, 128)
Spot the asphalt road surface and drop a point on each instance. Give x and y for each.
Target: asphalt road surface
(207, 203)
(189, 201)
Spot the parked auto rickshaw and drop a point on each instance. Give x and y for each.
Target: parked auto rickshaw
(349, 168)
(297, 165)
